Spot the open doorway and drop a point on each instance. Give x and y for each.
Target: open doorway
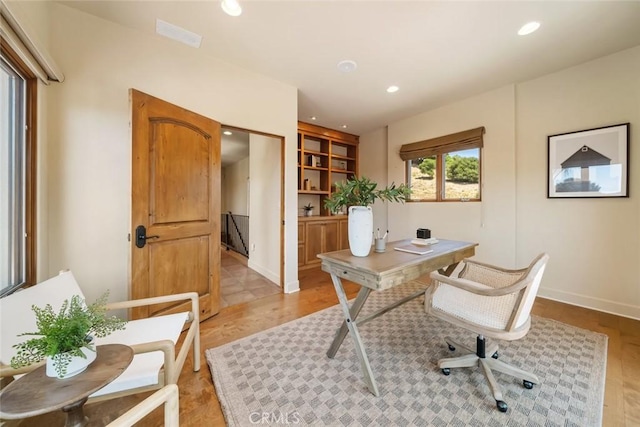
(251, 215)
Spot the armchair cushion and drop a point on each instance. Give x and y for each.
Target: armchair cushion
(143, 370)
(17, 316)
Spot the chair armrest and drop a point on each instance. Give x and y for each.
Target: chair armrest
(172, 364)
(8, 371)
(169, 352)
(169, 395)
(490, 275)
(473, 287)
(165, 346)
(193, 296)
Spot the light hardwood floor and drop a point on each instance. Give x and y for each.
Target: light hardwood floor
(199, 405)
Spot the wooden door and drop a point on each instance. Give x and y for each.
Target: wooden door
(175, 196)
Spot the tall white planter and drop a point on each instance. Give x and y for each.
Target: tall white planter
(360, 230)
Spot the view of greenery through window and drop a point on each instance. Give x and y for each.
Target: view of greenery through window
(461, 176)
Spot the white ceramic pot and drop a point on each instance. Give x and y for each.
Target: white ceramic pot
(76, 366)
(360, 230)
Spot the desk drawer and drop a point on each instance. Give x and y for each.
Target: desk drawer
(356, 276)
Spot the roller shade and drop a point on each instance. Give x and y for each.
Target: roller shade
(464, 140)
(27, 47)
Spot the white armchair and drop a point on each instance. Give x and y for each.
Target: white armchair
(492, 302)
(153, 339)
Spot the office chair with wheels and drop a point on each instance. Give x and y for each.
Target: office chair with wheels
(491, 302)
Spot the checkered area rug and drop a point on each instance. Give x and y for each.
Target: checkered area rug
(282, 376)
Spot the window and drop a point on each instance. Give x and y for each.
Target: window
(446, 168)
(17, 172)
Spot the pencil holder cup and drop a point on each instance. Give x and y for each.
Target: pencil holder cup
(380, 245)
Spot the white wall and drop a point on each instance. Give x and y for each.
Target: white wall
(491, 223)
(264, 195)
(236, 187)
(594, 244)
(375, 166)
(88, 161)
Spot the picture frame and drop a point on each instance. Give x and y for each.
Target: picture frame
(592, 163)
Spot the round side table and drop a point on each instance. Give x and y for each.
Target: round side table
(35, 393)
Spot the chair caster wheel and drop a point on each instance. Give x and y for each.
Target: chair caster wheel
(527, 384)
(495, 355)
(451, 348)
(502, 406)
(446, 371)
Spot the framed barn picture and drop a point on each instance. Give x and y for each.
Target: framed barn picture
(589, 163)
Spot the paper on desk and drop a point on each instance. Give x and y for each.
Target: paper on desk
(413, 249)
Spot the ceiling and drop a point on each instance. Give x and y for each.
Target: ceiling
(436, 52)
(234, 147)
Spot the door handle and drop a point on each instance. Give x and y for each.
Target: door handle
(141, 236)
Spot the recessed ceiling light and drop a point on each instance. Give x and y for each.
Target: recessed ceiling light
(392, 89)
(528, 28)
(313, 118)
(231, 7)
(178, 34)
(344, 126)
(347, 66)
(228, 132)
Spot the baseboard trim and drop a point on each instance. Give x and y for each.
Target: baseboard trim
(598, 304)
(292, 287)
(266, 273)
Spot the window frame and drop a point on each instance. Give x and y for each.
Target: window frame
(439, 148)
(30, 173)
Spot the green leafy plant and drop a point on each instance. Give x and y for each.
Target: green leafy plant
(62, 336)
(462, 169)
(428, 166)
(308, 207)
(361, 191)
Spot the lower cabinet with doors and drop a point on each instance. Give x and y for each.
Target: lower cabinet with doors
(320, 234)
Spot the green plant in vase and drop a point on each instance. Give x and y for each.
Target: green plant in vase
(64, 335)
(308, 209)
(358, 194)
(361, 191)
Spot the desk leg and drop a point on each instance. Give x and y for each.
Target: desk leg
(75, 414)
(355, 335)
(447, 272)
(354, 311)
